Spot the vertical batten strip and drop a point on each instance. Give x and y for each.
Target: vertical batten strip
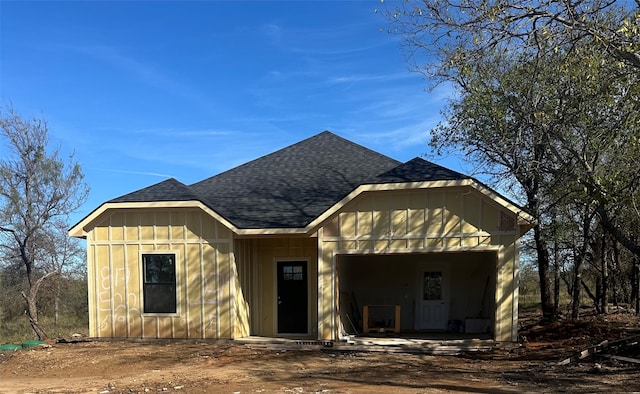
(185, 285)
(425, 227)
(203, 326)
(407, 219)
(481, 224)
(356, 231)
(185, 276)
(499, 291)
(257, 270)
(334, 298)
(233, 275)
(463, 219)
(320, 297)
(93, 273)
(126, 287)
(111, 296)
(217, 277)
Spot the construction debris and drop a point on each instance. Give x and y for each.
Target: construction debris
(612, 348)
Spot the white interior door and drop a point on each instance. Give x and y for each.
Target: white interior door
(433, 305)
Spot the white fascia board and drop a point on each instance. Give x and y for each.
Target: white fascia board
(524, 219)
(383, 187)
(522, 215)
(78, 230)
(273, 231)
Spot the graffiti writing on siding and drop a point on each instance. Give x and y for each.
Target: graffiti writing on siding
(209, 295)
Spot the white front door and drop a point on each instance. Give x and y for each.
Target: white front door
(433, 305)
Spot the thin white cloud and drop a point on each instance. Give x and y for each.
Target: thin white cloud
(173, 132)
(326, 41)
(132, 172)
(403, 137)
(143, 72)
(368, 78)
(333, 52)
(273, 32)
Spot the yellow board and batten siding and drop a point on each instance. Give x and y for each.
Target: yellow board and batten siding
(207, 303)
(257, 260)
(414, 221)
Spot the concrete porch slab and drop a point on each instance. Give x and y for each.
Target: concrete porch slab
(447, 347)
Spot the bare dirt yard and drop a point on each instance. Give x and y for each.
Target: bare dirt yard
(230, 367)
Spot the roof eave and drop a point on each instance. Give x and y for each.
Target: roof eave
(525, 220)
(79, 230)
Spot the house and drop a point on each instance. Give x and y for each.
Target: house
(304, 242)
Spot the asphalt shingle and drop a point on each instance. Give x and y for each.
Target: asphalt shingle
(417, 170)
(168, 190)
(292, 186)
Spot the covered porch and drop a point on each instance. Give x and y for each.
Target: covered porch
(417, 296)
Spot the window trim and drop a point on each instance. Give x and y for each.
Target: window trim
(142, 266)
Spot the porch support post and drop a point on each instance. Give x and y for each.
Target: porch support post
(516, 291)
(326, 310)
(505, 327)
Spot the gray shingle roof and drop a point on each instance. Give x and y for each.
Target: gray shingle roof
(292, 186)
(416, 170)
(169, 190)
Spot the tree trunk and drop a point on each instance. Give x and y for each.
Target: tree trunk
(590, 294)
(604, 300)
(598, 297)
(615, 274)
(556, 276)
(579, 262)
(556, 290)
(56, 309)
(32, 314)
(56, 300)
(531, 186)
(546, 301)
(636, 283)
(575, 296)
(31, 298)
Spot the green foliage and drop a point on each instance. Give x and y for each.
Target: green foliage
(72, 305)
(19, 330)
(547, 103)
(529, 294)
(444, 37)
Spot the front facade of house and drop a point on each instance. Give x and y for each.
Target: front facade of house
(318, 240)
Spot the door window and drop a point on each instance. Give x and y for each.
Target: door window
(432, 286)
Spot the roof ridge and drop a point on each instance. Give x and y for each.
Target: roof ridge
(316, 137)
(416, 170)
(359, 146)
(150, 193)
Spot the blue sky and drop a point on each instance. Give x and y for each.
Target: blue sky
(146, 90)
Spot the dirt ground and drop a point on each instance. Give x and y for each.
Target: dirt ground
(229, 367)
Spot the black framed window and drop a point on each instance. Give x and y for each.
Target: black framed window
(159, 272)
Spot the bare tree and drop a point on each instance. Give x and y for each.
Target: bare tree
(38, 190)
